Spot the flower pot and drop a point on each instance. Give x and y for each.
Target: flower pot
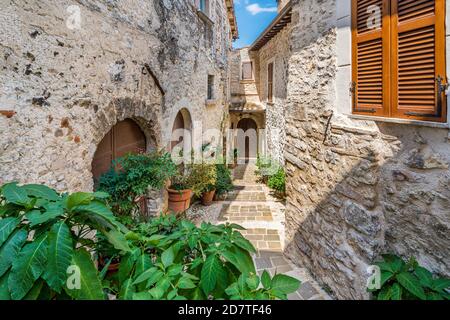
(220, 197)
(179, 200)
(207, 198)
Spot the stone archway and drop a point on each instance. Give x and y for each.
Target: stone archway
(247, 140)
(124, 137)
(182, 132)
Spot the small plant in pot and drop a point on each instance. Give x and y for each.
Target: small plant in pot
(203, 179)
(180, 194)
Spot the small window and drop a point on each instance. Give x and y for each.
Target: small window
(247, 70)
(210, 87)
(270, 82)
(204, 6)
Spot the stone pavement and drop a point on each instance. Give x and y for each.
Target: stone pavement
(252, 206)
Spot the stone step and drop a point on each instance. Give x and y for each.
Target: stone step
(236, 212)
(264, 239)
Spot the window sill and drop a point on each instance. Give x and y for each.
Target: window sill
(246, 81)
(438, 125)
(205, 17)
(210, 102)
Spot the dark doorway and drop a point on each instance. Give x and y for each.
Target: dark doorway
(251, 147)
(125, 137)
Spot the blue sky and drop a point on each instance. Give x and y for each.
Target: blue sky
(253, 16)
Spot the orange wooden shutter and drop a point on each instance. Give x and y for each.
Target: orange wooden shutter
(370, 57)
(418, 59)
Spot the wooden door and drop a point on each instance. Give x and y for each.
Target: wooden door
(125, 137)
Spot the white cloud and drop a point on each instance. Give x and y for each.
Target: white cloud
(254, 9)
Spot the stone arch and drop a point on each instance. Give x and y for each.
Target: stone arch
(182, 131)
(257, 118)
(248, 144)
(145, 114)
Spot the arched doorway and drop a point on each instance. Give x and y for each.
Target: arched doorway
(182, 133)
(125, 137)
(247, 142)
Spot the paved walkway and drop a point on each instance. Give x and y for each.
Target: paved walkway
(252, 206)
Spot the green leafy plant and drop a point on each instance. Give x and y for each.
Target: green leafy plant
(43, 233)
(252, 287)
(132, 176)
(175, 260)
(277, 182)
(202, 177)
(402, 280)
(224, 181)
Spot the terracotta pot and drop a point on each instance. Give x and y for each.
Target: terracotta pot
(179, 200)
(207, 198)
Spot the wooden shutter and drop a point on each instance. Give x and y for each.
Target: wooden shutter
(418, 59)
(247, 71)
(270, 82)
(370, 55)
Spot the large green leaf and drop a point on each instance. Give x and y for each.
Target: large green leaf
(60, 253)
(7, 226)
(126, 265)
(35, 292)
(28, 267)
(118, 240)
(41, 191)
(10, 250)
(240, 258)
(167, 257)
(410, 283)
(425, 276)
(147, 274)
(90, 284)
(441, 284)
(265, 279)
(396, 292)
(210, 271)
(51, 212)
(98, 212)
(79, 198)
(15, 194)
(284, 284)
(127, 290)
(4, 290)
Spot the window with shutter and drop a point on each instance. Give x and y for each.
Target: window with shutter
(399, 59)
(247, 71)
(270, 82)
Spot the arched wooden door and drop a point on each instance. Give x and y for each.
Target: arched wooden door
(249, 124)
(125, 137)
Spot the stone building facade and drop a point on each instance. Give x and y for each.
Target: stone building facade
(357, 186)
(71, 70)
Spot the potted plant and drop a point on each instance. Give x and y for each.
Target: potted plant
(180, 194)
(208, 195)
(203, 179)
(224, 182)
(131, 177)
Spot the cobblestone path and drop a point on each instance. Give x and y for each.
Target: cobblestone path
(252, 206)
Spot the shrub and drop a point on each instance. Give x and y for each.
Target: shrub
(201, 178)
(174, 259)
(402, 280)
(43, 233)
(277, 182)
(132, 176)
(224, 182)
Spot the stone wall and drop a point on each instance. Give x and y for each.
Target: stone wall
(276, 51)
(356, 189)
(68, 84)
